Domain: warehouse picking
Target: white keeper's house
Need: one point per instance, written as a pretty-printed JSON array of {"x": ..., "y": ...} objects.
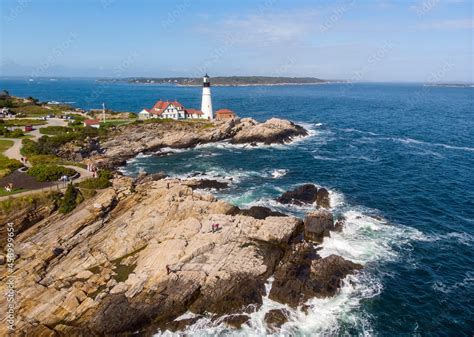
[{"x": 172, "y": 110}]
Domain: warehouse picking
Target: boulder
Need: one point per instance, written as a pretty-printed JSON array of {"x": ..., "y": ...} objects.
[
  {"x": 322, "y": 199},
  {"x": 259, "y": 212},
  {"x": 327, "y": 274},
  {"x": 302, "y": 275},
  {"x": 273, "y": 130},
  {"x": 275, "y": 318},
  {"x": 292, "y": 275},
  {"x": 206, "y": 184},
  {"x": 236, "y": 321},
  {"x": 340, "y": 223},
  {"x": 304, "y": 194},
  {"x": 317, "y": 224},
  {"x": 158, "y": 176}
]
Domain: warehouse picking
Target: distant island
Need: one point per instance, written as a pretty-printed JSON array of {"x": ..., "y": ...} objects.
[
  {"x": 224, "y": 80},
  {"x": 452, "y": 85}
]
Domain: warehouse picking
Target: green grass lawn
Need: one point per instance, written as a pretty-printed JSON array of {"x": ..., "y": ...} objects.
[
  {"x": 5, "y": 145},
  {"x": 32, "y": 110},
  {"x": 22, "y": 122},
  {"x": 4, "y": 193},
  {"x": 7, "y": 165},
  {"x": 116, "y": 122},
  {"x": 54, "y": 130}
]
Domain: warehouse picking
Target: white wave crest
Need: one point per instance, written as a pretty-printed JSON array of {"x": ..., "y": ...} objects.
[{"x": 278, "y": 173}]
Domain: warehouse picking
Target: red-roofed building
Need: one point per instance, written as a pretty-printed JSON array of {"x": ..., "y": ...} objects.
[
  {"x": 144, "y": 114},
  {"x": 225, "y": 115},
  {"x": 194, "y": 113},
  {"x": 172, "y": 110},
  {"x": 93, "y": 123}
]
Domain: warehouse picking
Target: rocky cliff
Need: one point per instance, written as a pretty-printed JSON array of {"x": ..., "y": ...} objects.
[
  {"x": 138, "y": 255},
  {"x": 129, "y": 140}
]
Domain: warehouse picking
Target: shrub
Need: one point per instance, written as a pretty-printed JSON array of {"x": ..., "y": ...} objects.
[
  {"x": 88, "y": 193},
  {"x": 29, "y": 147},
  {"x": 102, "y": 181},
  {"x": 10, "y": 206},
  {"x": 54, "y": 130},
  {"x": 23, "y": 122},
  {"x": 16, "y": 133},
  {"x": 8, "y": 165},
  {"x": 45, "y": 172},
  {"x": 69, "y": 201},
  {"x": 40, "y": 159},
  {"x": 106, "y": 174}
]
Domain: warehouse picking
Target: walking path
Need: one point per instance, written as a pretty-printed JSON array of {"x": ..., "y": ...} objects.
[{"x": 14, "y": 152}]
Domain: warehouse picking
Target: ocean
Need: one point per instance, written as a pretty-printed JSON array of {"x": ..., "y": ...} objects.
[{"x": 398, "y": 160}]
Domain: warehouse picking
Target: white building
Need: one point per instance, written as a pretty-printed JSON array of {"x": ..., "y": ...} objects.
[
  {"x": 144, "y": 114},
  {"x": 93, "y": 123},
  {"x": 171, "y": 110}
]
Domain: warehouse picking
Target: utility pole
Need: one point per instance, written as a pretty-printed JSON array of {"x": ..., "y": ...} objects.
[{"x": 103, "y": 112}]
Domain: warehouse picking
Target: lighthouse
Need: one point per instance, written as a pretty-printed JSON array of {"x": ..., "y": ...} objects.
[{"x": 206, "y": 105}]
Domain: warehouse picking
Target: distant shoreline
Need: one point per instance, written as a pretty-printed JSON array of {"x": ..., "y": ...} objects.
[{"x": 224, "y": 81}]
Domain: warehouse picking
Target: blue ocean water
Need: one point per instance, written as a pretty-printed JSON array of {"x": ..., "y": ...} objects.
[{"x": 398, "y": 160}]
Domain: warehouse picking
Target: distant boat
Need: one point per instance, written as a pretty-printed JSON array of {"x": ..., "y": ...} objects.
[{"x": 31, "y": 80}]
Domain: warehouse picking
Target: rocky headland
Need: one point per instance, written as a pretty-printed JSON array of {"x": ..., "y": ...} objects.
[
  {"x": 139, "y": 254},
  {"x": 127, "y": 141}
]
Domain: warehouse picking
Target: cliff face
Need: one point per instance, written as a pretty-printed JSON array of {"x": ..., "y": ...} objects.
[
  {"x": 129, "y": 140},
  {"x": 136, "y": 257}
]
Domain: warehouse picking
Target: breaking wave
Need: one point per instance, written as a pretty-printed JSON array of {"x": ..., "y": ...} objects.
[{"x": 366, "y": 238}]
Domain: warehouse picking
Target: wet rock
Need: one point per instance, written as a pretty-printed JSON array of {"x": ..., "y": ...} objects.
[
  {"x": 275, "y": 318},
  {"x": 327, "y": 274},
  {"x": 292, "y": 275},
  {"x": 236, "y": 321},
  {"x": 340, "y": 223},
  {"x": 317, "y": 224},
  {"x": 260, "y": 212},
  {"x": 302, "y": 275},
  {"x": 163, "y": 153},
  {"x": 179, "y": 325},
  {"x": 206, "y": 184},
  {"x": 230, "y": 296},
  {"x": 322, "y": 199},
  {"x": 158, "y": 176},
  {"x": 305, "y": 194}
]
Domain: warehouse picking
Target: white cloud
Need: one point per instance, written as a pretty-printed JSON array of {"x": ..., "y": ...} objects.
[{"x": 265, "y": 28}]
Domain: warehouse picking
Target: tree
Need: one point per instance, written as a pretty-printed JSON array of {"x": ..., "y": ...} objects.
[{"x": 68, "y": 203}]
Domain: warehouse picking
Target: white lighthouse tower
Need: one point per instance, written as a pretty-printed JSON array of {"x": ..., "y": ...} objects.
[{"x": 206, "y": 105}]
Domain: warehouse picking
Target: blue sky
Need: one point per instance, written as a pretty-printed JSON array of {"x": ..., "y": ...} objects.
[{"x": 421, "y": 40}]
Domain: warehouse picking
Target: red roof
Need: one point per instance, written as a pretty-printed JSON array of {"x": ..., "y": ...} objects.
[
  {"x": 177, "y": 104},
  {"x": 224, "y": 111},
  {"x": 194, "y": 112},
  {"x": 162, "y": 105},
  {"x": 91, "y": 122}
]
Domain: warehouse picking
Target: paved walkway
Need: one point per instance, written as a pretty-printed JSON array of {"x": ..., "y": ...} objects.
[{"x": 14, "y": 152}]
